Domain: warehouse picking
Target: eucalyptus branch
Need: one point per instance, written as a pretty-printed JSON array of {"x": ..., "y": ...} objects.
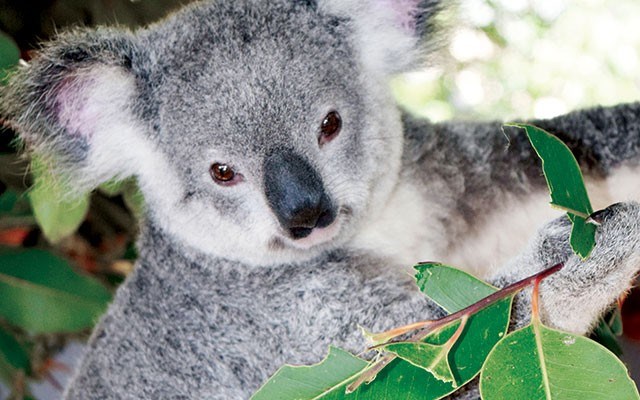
[{"x": 423, "y": 329}]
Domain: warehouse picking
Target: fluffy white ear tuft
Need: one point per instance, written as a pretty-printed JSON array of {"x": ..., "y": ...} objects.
[
  {"x": 95, "y": 106},
  {"x": 74, "y": 106},
  {"x": 391, "y": 35}
]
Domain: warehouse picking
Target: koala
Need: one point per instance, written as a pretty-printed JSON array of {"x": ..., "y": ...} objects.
[{"x": 287, "y": 192}]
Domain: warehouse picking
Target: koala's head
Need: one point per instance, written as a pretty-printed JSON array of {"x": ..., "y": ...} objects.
[{"x": 261, "y": 131}]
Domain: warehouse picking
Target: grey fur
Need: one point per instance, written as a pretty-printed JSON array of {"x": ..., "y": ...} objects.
[{"x": 220, "y": 296}]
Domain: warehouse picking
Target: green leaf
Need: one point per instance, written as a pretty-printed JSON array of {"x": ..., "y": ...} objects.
[
  {"x": 9, "y": 55},
  {"x": 454, "y": 290},
  {"x": 14, "y": 205},
  {"x": 583, "y": 236},
  {"x": 113, "y": 187},
  {"x": 401, "y": 379},
  {"x": 432, "y": 358},
  {"x": 131, "y": 194},
  {"x": 57, "y": 214},
  {"x": 561, "y": 171},
  {"x": 566, "y": 185},
  {"x": 327, "y": 379},
  {"x": 451, "y": 288},
  {"x": 603, "y": 334},
  {"x": 608, "y": 329},
  {"x": 615, "y": 321},
  {"x": 7, "y": 373},
  {"x": 41, "y": 293},
  {"x": 14, "y": 362},
  {"x": 13, "y": 353},
  {"x": 8, "y": 200},
  {"x": 537, "y": 362}
]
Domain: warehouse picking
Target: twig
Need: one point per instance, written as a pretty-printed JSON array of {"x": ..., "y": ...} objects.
[{"x": 427, "y": 327}]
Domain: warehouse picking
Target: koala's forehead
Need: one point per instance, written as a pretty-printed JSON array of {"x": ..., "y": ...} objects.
[{"x": 236, "y": 67}]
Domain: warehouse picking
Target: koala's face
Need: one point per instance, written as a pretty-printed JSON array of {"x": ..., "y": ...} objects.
[
  {"x": 260, "y": 131},
  {"x": 274, "y": 140}
]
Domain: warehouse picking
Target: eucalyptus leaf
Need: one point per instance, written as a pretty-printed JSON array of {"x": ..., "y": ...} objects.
[
  {"x": 449, "y": 287},
  {"x": 615, "y": 321},
  {"x": 561, "y": 171},
  {"x": 402, "y": 379},
  {"x": 113, "y": 187},
  {"x": 13, "y": 353},
  {"x": 583, "y": 236},
  {"x": 134, "y": 200},
  {"x": 57, "y": 214},
  {"x": 7, "y": 372},
  {"x": 8, "y": 200},
  {"x": 130, "y": 192},
  {"x": 326, "y": 380},
  {"x": 566, "y": 185},
  {"x": 604, "y": 335},
  {"x": 41, "y": 293},
  {"x": 432, "y": 358},
  {"x": 537, "y": 362},
  {"x": 9, "y": 55},
  {"x": 454, "y": 290},
  {"x": 607, "y": 330}
]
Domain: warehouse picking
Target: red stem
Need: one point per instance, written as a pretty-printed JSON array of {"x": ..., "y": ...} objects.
[
  {"x": 492, "y": 298},
  {"x": 369, "y": 374},
  {"x": 535, "y": 297}
]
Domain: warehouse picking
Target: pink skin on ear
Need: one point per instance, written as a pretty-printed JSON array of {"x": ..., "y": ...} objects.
[
  {"x": 74, "y": 109},
  {"x": 405, "y": 12}
]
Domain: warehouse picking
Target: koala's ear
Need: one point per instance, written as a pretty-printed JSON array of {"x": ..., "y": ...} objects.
[
  {"x": 392, "y": 36},
  {"x": 74, "y": 105}
]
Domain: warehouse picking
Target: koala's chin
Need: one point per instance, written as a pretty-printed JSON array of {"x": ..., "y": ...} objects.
[
  {"x": 256, "y": 242},
  {"x": 284, "y": 247}
]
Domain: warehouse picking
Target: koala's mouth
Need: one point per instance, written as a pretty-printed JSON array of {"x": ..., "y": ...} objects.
[{"x": 317, "y": 236}]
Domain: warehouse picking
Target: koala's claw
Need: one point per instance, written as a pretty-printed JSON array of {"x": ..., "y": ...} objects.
[{"x": 598, "y": 217}]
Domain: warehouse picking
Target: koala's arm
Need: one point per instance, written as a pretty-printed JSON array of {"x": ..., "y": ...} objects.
[
  {"x": 573, "y": 298},
  {"x": 488, "y": 160},
  {"x": 497, "y": 163}
]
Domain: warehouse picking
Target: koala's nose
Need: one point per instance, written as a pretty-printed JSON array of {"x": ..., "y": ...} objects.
[{"x": 296, "y": 194}]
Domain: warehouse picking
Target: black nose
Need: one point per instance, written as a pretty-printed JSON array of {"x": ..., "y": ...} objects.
[{"x": 296, "y": 194}]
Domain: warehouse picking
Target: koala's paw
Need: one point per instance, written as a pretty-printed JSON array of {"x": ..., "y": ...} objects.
[{"x": 573, "y": 298}]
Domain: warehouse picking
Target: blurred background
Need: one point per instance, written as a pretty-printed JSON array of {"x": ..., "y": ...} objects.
[
  {"x": 498, "y": 59},
  {"x": 530, "y": 58}
]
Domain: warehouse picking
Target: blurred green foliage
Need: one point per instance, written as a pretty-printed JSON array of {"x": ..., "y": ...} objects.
[
  {"x": 9, "y": 55},
  {"x": 41, "y": 293},
  {"x": 529, "y": 58}
]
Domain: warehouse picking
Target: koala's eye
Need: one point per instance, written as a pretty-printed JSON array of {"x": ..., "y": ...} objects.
[
  {"x": 223, "y": 174},
  {"x": 330, "y": 127}
]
